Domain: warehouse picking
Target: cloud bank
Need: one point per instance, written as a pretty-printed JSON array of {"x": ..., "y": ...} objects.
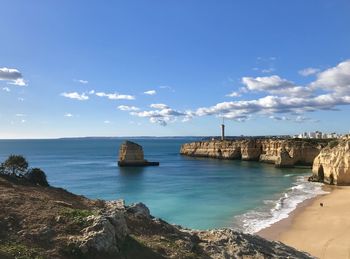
[{"x": 282, "y": 97}]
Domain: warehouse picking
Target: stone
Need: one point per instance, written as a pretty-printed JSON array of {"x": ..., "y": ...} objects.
[
  {"x": 131, "y": 154},
  {"x": 332, "y": 165},
  {"x": 139, "y": 210}
]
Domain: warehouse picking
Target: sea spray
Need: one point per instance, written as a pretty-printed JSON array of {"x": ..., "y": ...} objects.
[{"x": 275, "y": 210}]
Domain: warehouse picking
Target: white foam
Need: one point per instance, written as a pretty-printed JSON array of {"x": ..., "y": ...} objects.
[{"x": 274, "y": 211}]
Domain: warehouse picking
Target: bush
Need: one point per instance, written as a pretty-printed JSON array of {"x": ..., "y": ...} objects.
[
  {"x": 333, "y": 143},
  {"x": 37, "y": 176},
  {"x": 14, "y": 165}
]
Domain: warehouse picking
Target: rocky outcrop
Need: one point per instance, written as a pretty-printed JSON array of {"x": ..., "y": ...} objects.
[
  {"x": 332, "y": 165},
  {"x": 34, "y": 225},
  {"x": 106, "y": 231},
  {"x": 281, "y": 152},
  {"x": 131, "y": 154}
]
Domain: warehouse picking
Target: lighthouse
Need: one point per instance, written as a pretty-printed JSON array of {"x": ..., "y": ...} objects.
[{"x": 223, "y": 129}]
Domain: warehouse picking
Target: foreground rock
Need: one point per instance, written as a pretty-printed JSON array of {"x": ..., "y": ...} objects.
[
  {"x": 131, "y": 154},
  {"x": 332, "y": 165},
  {"x": 46, "y": 222},
  {"x": 281, "y": 152}
]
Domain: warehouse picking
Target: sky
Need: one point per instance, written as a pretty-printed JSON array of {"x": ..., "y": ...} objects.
[{"x": 173, "y": 68}]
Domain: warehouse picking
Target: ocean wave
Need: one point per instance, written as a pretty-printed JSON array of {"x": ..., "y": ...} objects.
[{"x": 276, "y": 210}]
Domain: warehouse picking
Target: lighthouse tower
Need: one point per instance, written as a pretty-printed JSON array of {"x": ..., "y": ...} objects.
[{"x": 223, "y": 129}]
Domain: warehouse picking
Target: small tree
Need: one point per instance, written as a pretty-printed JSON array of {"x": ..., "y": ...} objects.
[
  {"x": 14, "y": 165},
  {"x": 37, "y": 176}
]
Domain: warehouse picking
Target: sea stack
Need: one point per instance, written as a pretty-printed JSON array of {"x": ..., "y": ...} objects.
[{"x": 131, "y": 154}]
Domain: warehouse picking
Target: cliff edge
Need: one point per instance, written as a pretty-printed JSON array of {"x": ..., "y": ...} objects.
[{"x": 47, "y": 222}]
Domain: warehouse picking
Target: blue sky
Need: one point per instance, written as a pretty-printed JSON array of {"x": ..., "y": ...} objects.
[{"x": 168, "y": 68}]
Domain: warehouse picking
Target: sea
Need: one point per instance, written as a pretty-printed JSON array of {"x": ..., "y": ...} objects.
[{"x": 197, "y": 193}]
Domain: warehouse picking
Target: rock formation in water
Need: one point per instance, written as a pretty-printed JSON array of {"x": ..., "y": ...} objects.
[
  {"x": 131, "y": 154},
  {"x": 47, "y": 222},
  {"x": 281, "y": 152},
  {"x": 332, "y": 165}
]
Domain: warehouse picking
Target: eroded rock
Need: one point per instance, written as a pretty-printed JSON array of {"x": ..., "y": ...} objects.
[
  {"x": 332, "y": 165},
  {"x": 281, "y": 152},
  {"x": 131, "y": 154}
]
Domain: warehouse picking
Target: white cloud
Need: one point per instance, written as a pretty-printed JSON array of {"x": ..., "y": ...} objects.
[
  {"x": 150, "y": 92},
  {"x": 6, "y": 89},
  {"x": 275, "y": 85},
  {"x": 309, "y": 71},
  {"x": 83, "y": 81},
  {"x": 167, "y": 87},
  {"x": 23, "y": 121},
  {"x": 20, "y": 115},
  {"x": 107, "y": 122},
  {"x": 335, "y": 79},
  {"x": 19, "y": 82},
  {"x": 76, "y": 96},
  {"x": 159, "y": 106},
  {"x": 278, "y": 118},
  {"x": 162, "y": 115},
  {"x": 69, "y": 115},
  {"x": 12, "y": 76},
  {"x": 234, "y": 94},
  {"x": 302, "y": 119},
  {"x": 91, "y": 92},
  {"x": 268, "y": 70},
  {"x": 127, "y": 108},
  {"x": 116, "y": 96},
  {"x": 266, "y": 83}
]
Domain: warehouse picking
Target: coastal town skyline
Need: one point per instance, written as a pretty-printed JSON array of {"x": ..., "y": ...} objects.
[{"x": 141, "y": 68}]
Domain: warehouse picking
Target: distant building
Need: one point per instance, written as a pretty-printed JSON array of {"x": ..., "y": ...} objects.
[{"x": 318, "y": 135}]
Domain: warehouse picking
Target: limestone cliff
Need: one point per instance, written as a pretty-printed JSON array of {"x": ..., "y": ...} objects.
[
  {"x": 131, "y": 154},
  {"x": 332, "y": 165},
  {"x": 281, "y": 152}
]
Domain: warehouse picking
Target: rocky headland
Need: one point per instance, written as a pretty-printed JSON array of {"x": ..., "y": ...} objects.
[
  {"x": 281, "y": 152},
  {"x": 48, "y": 222},
  {"x": 332, "y": 165}
]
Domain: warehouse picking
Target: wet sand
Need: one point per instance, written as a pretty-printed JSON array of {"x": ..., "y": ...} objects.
[{"x": 323, "y": 232}]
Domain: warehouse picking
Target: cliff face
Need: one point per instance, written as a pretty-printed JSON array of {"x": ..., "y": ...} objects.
[
  {"x": 46, "y": 222},
  {"x": 131, "y": 152},
  {"x": 332, "y": 165},
  {"x": 282, "y": 153}
]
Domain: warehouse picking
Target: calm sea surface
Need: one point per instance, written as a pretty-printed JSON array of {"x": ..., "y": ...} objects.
[{"x": 193, "y": 192}]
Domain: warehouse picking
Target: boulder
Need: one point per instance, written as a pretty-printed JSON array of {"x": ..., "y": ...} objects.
[
  {"x": 139, "y": 210},
  {"x": 106, "y": 231}
]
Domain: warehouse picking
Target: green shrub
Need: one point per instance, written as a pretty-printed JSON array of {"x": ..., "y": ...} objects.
[
  {"x": 14, "y": 165},
  {"x": 36, "y": 176}
]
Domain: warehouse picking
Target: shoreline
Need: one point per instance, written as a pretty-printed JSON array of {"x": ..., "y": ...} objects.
[{"x": 321, "y": 231}]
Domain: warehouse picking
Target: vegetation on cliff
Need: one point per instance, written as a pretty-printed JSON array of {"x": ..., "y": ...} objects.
[
  {"x": 17, "y": 167},
  {"x": 46, "y": 222}
]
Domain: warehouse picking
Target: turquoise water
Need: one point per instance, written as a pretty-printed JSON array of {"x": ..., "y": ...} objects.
[{"x": 192, "y": 192}]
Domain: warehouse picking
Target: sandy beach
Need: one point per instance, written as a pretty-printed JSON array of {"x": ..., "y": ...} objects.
[{"x": 323, "y": 232}]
